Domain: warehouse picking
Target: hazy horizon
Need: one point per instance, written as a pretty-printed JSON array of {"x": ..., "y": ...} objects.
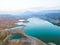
[{"x": 19, "y": 5}]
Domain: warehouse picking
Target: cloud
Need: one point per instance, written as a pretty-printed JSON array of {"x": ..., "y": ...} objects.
[{"x": 16, "y": 5}]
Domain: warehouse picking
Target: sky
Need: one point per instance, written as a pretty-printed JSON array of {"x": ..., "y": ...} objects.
[{"x": 18, "y": 5}]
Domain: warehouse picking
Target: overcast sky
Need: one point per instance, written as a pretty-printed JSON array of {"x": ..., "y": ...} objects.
[{"x": 17, "y": 5}]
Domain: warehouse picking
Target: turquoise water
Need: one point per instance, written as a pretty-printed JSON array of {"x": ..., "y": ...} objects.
[
  {"x": 43, "y": 30},
  {"x": 15, "y": 37}
]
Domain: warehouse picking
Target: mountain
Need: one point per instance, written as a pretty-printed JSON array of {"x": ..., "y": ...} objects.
[{"x": 52, "y": 16}]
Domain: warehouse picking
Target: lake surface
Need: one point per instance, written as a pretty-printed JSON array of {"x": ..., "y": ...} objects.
[{"x": 43, "y": 30}]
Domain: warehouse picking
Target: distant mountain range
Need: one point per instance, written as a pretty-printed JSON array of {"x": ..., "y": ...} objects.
[{"x": 52, "y": 16}]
